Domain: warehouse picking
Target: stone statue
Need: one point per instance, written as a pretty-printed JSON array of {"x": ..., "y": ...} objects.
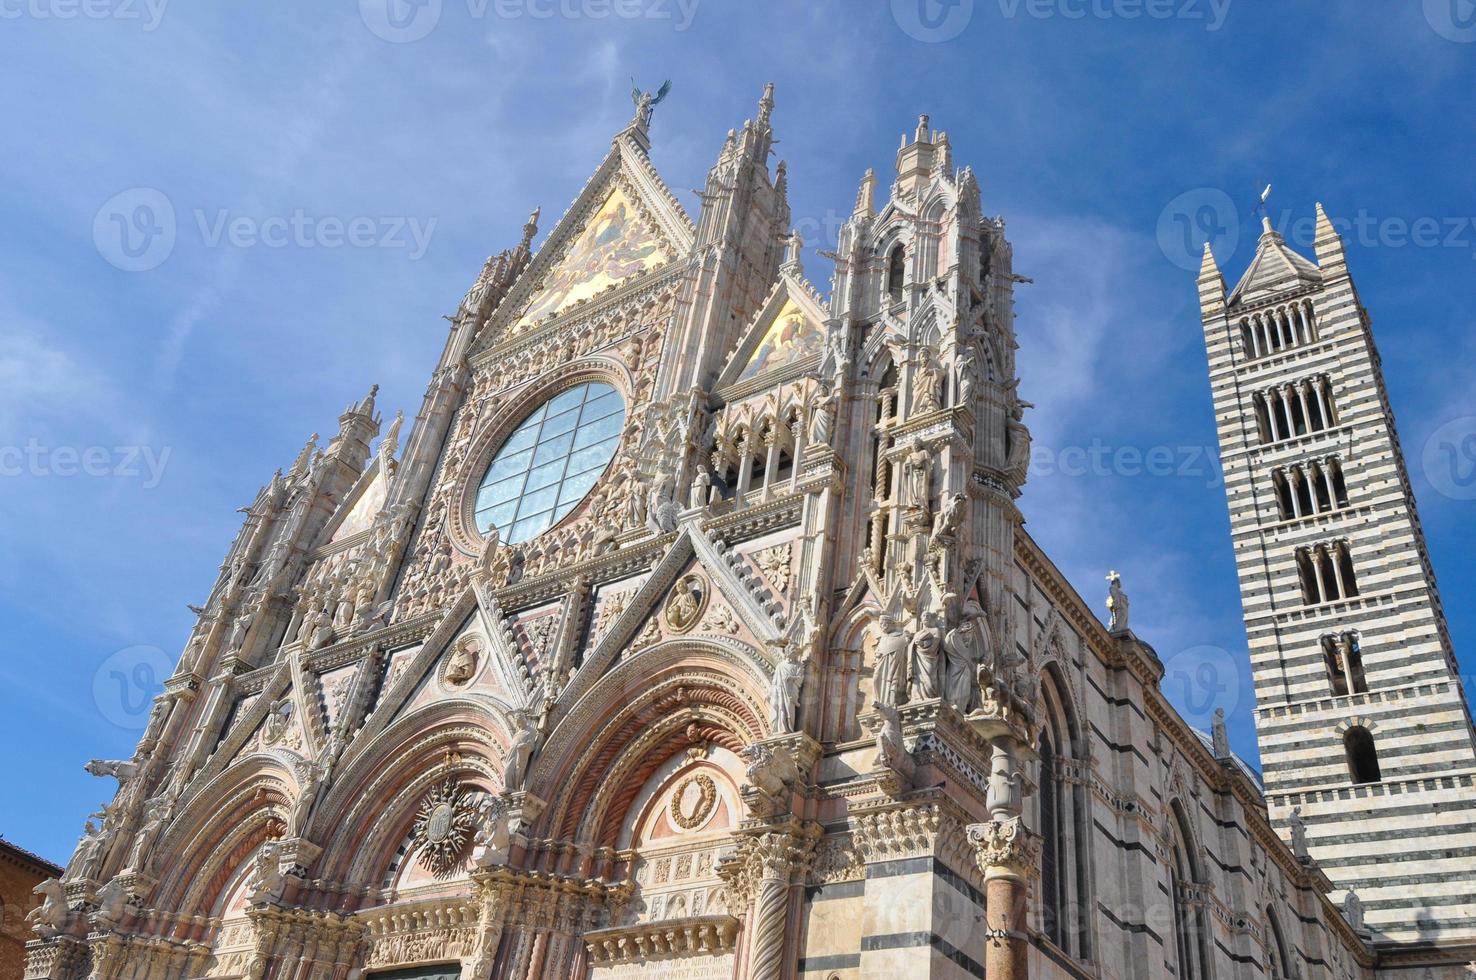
[
  {"x": 823, "y": 419},
  {"x": 929, "y": 384},
  {"x": 302, "y": 809},
  {"x": 278, "y": 718},
  {"x": 143, "y": 844},
  {"x": 890, "y": 749},
  {"x": 784, "y": 690},
  {"x": 112, "y": 902},
  {"x": 701, "y": 488},
  {"x": 1117, "y": 603},
  {"x": 121, "y": 770},
  {"x": 965, "y": 647},
  {"x": 487, "y": 561},
  {"x": 967, "y": 365},
  {"x": 1353, "y": 911},
  {"x": 916, "y": 473},
  {"x": 924, "y": 652},
  {"x": 1298, "y": 834},
  {"x": 91, "y": 850},
  {"x": 889, "y": 678},
  {"x": 461, "y": 667},
  {"x": 519, "y": 752},
  {"x": 950, "y": 517},
  {"x": 493, "y": 835},
  {"x": 267, "y": 879},
  {"x": 638, "y": 502},
  {"x": 661, "y": 511},
  {"x": 50, "y": 917},
  {"x": 644, "y": 101},
  {"x": 1219, "y": 737}
]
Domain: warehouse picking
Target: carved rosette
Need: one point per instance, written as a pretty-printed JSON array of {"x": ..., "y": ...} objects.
[{"x": 1005, "y": 848}]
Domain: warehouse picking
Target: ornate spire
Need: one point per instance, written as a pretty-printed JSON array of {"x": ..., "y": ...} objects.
[
  {"x": 766, "y": 105},
  {"x": 866, "y": 194},
  {"x": 365, "y": 407},
  {"x": 531, "y": 228},
  {"x": 305, "y": 457}
]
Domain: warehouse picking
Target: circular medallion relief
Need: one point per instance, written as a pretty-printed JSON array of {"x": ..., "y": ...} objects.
[
  {"x": 443, "y": 827},
  {"x": 693, "y": 801},
  {"x": 685, "y": 605}
]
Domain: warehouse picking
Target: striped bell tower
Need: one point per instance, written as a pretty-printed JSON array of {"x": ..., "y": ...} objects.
[{"x": 1366, "y": 740}]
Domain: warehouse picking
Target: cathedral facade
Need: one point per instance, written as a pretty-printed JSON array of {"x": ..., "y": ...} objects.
[{"x": 694, "y": 632}]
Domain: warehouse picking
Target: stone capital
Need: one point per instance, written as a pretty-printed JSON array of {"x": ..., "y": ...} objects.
[{"x": 1005, "y": 849}]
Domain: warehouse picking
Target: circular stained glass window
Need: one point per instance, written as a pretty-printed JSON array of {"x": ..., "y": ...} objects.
[{"x": 550, "y": 462}]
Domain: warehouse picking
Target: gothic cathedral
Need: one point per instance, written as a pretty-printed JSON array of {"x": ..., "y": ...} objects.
[{"x": 694, "y": 632}]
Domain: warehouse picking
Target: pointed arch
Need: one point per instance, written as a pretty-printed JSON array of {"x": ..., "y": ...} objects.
[
  {"x": 1186, "y": 873},
  {"x": 667, "y": 698},
  {"x": 374, "y": 798},
  {"x": 1062, "y": 808}
]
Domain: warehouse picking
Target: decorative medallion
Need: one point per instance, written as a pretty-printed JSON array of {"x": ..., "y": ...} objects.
[
  {"x": 693, "y": 800},
  {"x": 686, "y": 604},
  {"x": 462, "y": 665},
  {"x": 444, "y": 825}
]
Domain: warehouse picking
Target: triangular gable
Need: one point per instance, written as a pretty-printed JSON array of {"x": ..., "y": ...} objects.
[
  {"x": 1275, "y": 269},
  {"x": 616, "y": 242},
  {"x": 624, "y": 224},
  {"x": 787, "y": 335},
  {"x": 361, "y": 505}
]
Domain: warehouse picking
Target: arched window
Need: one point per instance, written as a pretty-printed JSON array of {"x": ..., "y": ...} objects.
[
  {"x": 1189, "y": 920},
  {"x": 896, "y": 272},
  {"x": 1061, "y": 821},
  {"x": 1363, "y": 758},
  {"x": 1278, "y": 957}
]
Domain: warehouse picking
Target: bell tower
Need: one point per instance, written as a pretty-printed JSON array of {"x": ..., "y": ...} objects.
[{"x": 1365, "y": 735}]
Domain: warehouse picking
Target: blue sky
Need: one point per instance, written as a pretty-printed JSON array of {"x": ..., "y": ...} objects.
[{"x": 336, "y": 181}]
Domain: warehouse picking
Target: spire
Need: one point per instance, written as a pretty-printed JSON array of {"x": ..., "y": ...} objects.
[
  {"x": 793, "y": 251},
  {"x": 1211, "y": 283},
  {"x": 1328, "y": 246},
  {"x": 766, "y": 105},
  {"x": 915, "y": 160},
  {"x": 365, "y": 407},
  {"x": 866, "y": 195},
  {"x": 305, "y": 457},
  {"x": 531, "y": 228}
]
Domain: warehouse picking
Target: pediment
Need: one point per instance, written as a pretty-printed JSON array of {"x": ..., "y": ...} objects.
[
  {"x": 785, "y": 338},
  {"x": 624, "y": 225}
]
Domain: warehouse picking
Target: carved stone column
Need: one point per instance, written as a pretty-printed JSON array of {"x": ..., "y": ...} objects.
[
  {"x": 761, "y": 878},
  {"x": 492, "y": 896},
  {"x": 1009, "y": 855}
]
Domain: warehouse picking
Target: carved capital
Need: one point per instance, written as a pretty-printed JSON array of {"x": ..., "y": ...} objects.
[{"x": 1005, "y": 848}]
